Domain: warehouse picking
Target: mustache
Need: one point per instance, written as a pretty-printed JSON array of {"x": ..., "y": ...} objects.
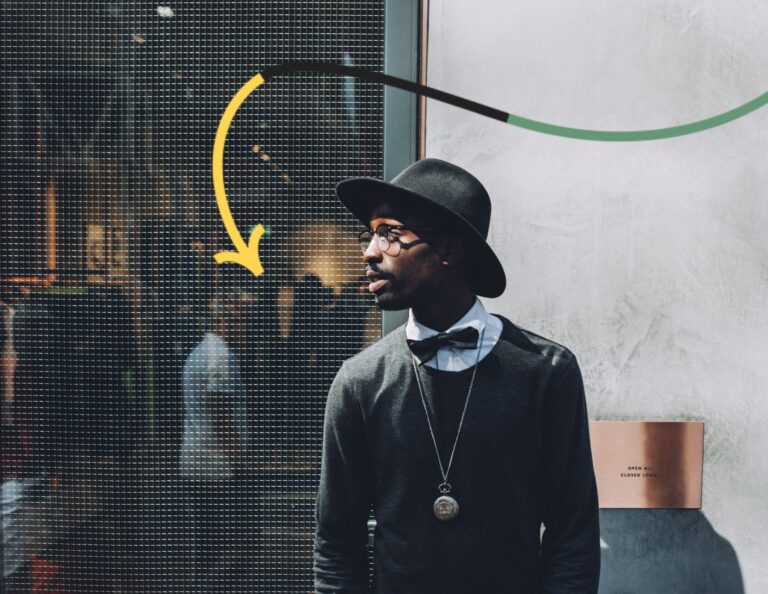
[{"x": 375, "y": 270}]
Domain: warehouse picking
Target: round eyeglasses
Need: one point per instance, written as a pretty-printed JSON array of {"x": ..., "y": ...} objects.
[{"x": 388, "y": 238}]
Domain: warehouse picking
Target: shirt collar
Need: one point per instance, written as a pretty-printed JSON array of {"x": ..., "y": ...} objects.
[{"x": 476, "y": 316}]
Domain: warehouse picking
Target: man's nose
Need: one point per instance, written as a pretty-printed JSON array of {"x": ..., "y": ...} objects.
[{"x": 373, "y": 250}]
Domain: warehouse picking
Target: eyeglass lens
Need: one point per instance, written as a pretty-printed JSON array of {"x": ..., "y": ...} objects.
[{"x": 381, "y": 235}]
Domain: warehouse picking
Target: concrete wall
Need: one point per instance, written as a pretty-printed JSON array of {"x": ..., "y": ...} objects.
[{"x": 649, "y": 260}]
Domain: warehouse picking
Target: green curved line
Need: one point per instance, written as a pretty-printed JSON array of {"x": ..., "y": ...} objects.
[
  {"x": 518, "y": 121},
  {"x": 512, "y": 119},
  {"x": 634, "y": 135}
]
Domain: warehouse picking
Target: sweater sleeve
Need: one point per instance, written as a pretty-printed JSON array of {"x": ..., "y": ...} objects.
[
  {"x": 570, "y": 547},
  {"x": 344, "y": 495}
]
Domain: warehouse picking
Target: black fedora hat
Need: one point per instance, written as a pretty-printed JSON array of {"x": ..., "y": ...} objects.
[{"x": 447, "y": 190}]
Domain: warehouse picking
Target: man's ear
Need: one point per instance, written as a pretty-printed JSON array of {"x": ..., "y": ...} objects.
[{"x": 452, "y": 251}]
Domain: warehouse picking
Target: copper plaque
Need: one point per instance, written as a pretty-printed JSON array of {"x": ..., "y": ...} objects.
[{"x": 648, "y": 464}]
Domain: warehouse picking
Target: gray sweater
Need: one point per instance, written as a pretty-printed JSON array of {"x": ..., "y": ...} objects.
[{"x": 523, "y": 459}]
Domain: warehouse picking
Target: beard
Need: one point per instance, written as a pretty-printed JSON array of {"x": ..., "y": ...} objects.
[
  {"x": 392, "y": 298},
  {"x": 389, "y": 299},
  {"x": 386, "y": 303}
]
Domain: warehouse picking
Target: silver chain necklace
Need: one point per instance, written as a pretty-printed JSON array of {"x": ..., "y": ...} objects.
[{"x": 445, "y": 506}]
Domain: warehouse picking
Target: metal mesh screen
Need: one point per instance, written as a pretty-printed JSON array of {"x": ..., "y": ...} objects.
[{"x": 162, "y": 415}]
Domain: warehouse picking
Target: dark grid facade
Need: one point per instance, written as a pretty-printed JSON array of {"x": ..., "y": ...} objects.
[{"x": 107, "y": 235}]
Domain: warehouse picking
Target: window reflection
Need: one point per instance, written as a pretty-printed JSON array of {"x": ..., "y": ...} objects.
[
  {"x": 162, "y": 415},
  {"x": 84, "y": 456}
]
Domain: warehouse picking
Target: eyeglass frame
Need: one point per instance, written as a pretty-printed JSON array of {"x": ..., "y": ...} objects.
[{"x": 389, "y": 228}]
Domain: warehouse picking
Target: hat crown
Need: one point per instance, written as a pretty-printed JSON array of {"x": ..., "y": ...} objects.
[{"x": 451, "y": 187}]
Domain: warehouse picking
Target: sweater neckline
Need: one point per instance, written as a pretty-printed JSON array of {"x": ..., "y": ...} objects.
[{"x": 445, "y": 372}]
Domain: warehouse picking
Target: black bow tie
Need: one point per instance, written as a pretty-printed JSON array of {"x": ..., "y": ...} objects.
[{"x": 464, "y": 338}]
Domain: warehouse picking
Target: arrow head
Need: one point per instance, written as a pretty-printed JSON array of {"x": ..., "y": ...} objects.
[{"x": 248, "y": 256}]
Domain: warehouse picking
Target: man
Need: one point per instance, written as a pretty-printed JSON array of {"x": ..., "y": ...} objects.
[
  {"x": 17, "y": 490},
  {"x": 216, "y": 432},
  {"x": 464, "y": 444}
]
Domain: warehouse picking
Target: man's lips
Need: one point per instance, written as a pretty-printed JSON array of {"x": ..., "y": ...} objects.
[
  {"x": 376, "y": 282},
  {"x": 375, "y": 285}
]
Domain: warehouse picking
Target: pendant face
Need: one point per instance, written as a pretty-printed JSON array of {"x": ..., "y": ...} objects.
[{"x": 445, "y": 508}]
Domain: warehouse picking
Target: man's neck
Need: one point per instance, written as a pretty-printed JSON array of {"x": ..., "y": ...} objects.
[{"x": 442, "y": 315}]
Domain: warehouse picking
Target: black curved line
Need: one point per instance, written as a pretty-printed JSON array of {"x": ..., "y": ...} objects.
[{"x": 386, "y": 79}]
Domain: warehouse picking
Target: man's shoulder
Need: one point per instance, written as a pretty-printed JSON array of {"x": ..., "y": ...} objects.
[
  {"x": 379, "y": 357},
  {"x": 526, "y": 345},
  {"x": 210, "y": 355},
  {"x": 209, "y": 345}
]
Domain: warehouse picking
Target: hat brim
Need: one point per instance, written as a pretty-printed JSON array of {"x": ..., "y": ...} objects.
[{"x": 360, "y": 195}]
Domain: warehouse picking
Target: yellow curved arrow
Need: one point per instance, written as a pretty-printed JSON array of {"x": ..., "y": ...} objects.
[{"x": 246, "y": 255}]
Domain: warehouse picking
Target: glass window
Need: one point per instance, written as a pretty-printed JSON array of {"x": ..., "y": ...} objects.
[{"x": 162, "y": 414}]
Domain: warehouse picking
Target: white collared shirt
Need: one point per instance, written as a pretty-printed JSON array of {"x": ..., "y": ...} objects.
[{"x": 449, "y": 358}]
